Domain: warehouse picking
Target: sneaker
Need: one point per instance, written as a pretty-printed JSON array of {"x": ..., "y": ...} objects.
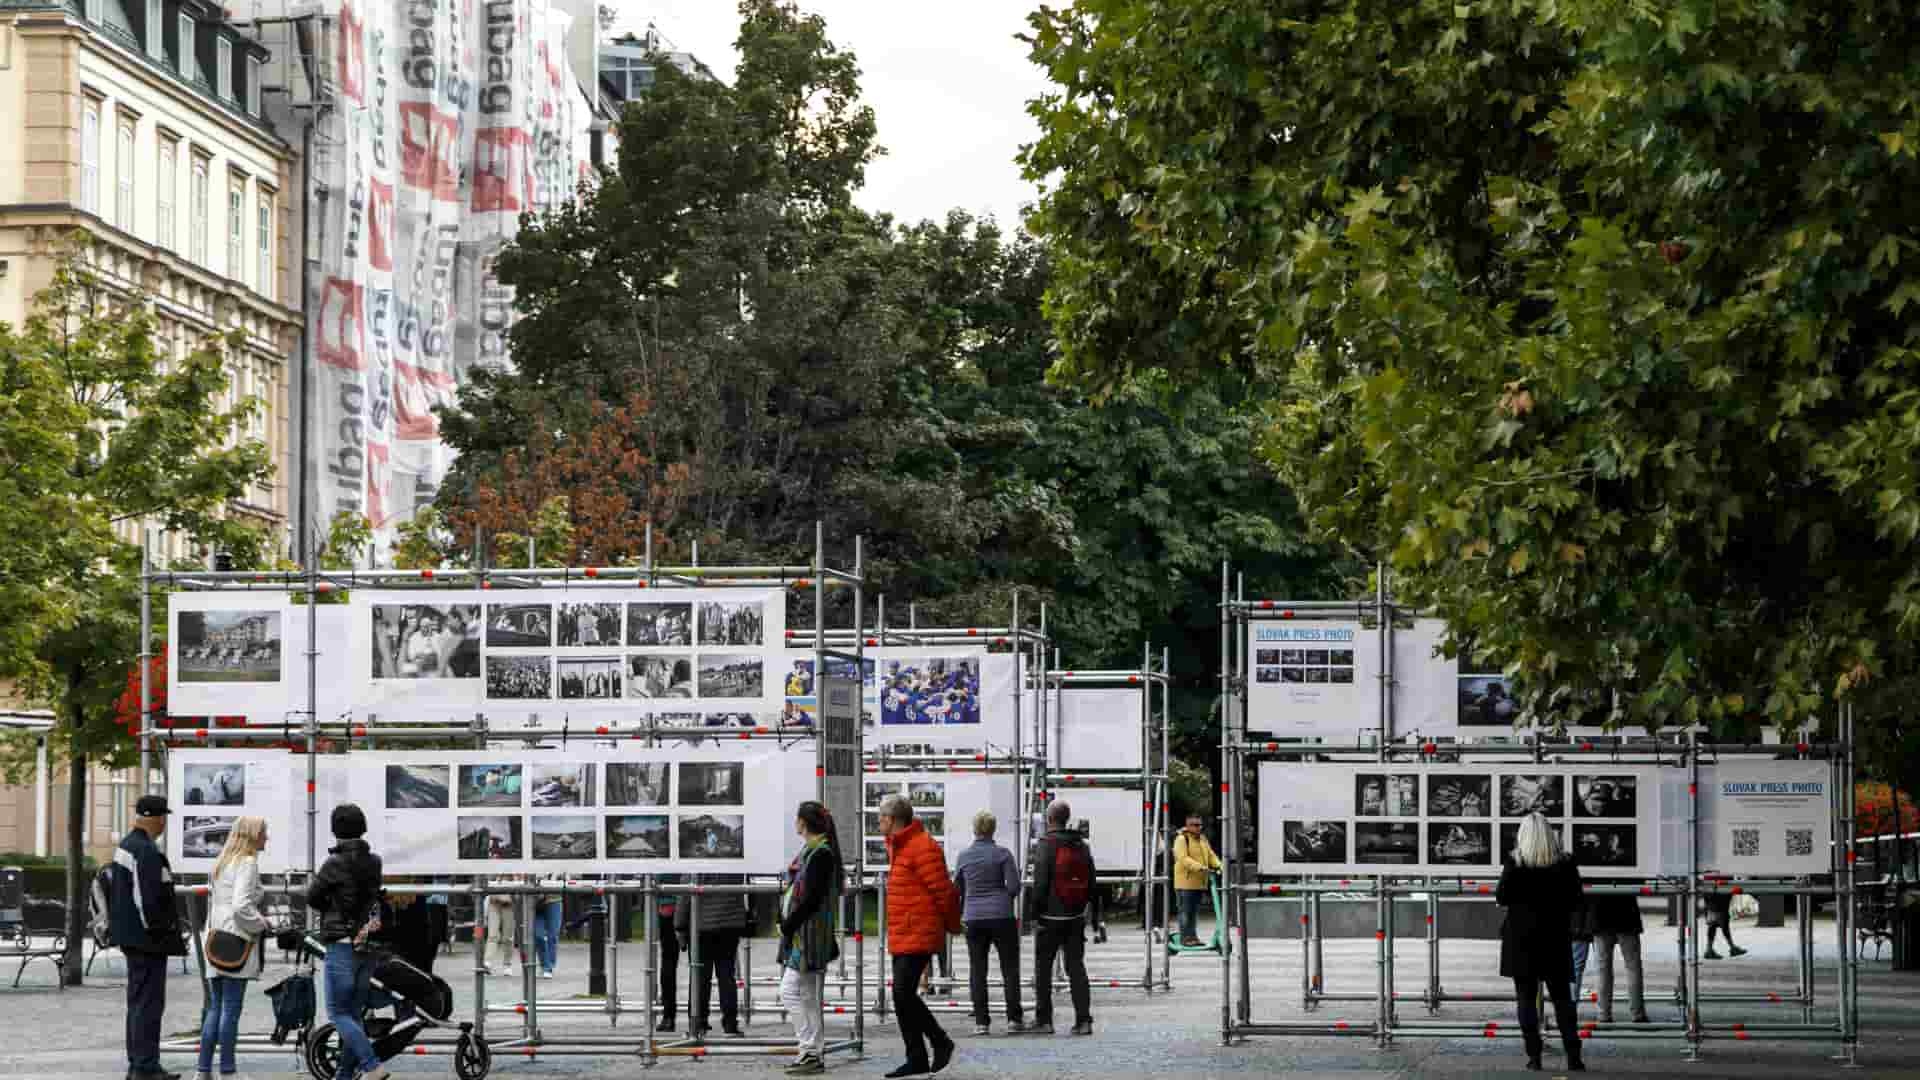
[
  {"x": 1736, "y": 950},
  {"x": 546, "y": 974},
  {"x": 941, "y": 1055},
  {"x": 1018, "y": 1027},
  {"x": 1043, "y": 1027},
  {"x": 909, "y": 1069},
  {"x": 808, "y": 1065},
  {"x": 982, "y": 1029},
  {"x": 732, "y": 1030},
  {"x": 1709, "y": 955},
  {"x": 1084, "y": 1027}
]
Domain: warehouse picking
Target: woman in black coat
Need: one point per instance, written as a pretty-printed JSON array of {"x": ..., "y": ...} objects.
[{"x": 1540, "y": 888}]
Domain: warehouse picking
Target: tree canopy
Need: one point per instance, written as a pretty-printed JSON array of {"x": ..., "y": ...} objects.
[{"x": 1589, "y": 318}]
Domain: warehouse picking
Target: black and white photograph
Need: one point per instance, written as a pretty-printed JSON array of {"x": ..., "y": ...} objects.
[
  {"x": 639, "y": 836},
  {"x": 1377, "y": 795},
  {"x": 490, "y": 785},
  {"x": 519, "y": 678},
  {"x": 1605, "y": 845},
  {"x": 591, "y": 679},
  {"x": 639, "y": 783},
  {"x": 1340, "y": 675},
  {"x": 426, "y": 641},
  {"x": 1293, "y": 657},
  {"x": 419, "y": 787},
  {"x": 872, "y": 823},
  {"x": 713, "y": 836},
  {"x": 732, "y": 622},
  {"x": 1535, "y": 794},
  {"x": 935, "y": 822},
  {"x": 877, "y": 791},
  {"x": 203, "y": 837},
  {"x": 876, "y": 853},
  {"x": 1460, "y": 843},
  {"x": 1487, "y": 702},
  {"x": 731, "y": 675},
  {"x": 1459, "y": 796},
  {"x": 587, "y": 626},
  {"x": 713, "y": 783},
  {"x": 1314, "y": 657},
  {"x": 659, "y": 625},
  {"x": 228, "y": 647},
  {"x": 1266, "y": 674},
  {"x": 660, "y": 677},
  {"x": 927, "y": 794},
  {"x": 1293, "y": 675},
  {"x": 1266, "y": 656},
  {"x": 519, "y": 626},
  {"x": 561, "y": 785},
  {"x": 1318, "y": 675},
  {"x": 1314, "y": 841},
  {"x": 564, "y": 837},
  {"x": 214, "y": 785},
  {"x": 1606, "y": 796},
  {"x": 490, "y": 838},
  {"x": 1340, "y": 657},
  {"x": 1394, "y": 843}
]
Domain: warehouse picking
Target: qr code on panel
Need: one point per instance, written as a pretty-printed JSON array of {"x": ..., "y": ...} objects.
[
  {"x": 1746, "y": 842},
  {"x": 1799, "y": 842}
]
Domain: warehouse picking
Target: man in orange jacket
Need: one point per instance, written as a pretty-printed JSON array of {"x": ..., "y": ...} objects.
[{"x": 922, "y": 909}]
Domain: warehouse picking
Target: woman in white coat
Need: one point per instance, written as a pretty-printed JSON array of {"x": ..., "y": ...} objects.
[{"x": 234, "y": 896}]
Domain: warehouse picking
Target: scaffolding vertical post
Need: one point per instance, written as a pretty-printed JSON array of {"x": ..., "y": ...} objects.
[
  {"x": 1850, "y": 953},
  {"x": 1433, "y": 952},
  {"x": 1690, "y": 932},
  {"x": 1163, "y": 853},
  {"x": 480, "y": 958},
  {"x": 1235, "y": 900},
  {"x": 313, "y": 714},
  {"x": 1229, "y": 851},
  {"x": 1382, "y": 969},
  {"x": 146, "y": 663},
  {"x": 649, "y": 933},
  {"x": 860, "y": 730}
]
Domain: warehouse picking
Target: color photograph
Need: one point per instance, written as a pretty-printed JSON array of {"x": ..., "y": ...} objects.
[
  {"x": 642, "y": 783},
  {"x": 596, "y": 679},
  {"x": 1459, "y": 796},
  {"x": 564, "y": 837},
  {"x": 927, "y": 794},
  {"x": 659, "y": 625},
  {"x": 519, "y": 626},
  {"x": 732, "y": 623},
  {"x": 426, "y": 641},
  {"x": 490, "y": 838},
  {"x": 561, "y": 785},
  {"x": 214, "y": 785},
  {"x": 419, "y": 787},
  {"x": 1461, "y": 843},
  {"x": 713, "y": 836},
  {"x": 228, "y": 647},
  {"x": 203, "y": 837},
  {"x": 1322, "y": 842},
  {"x": 942, "y": 690},
  {"x": 1393, "y": 843},
  {"x": 638, "y": 836},
  {"x": 712, "y": 783},
  {"x": 1486, "y": 703},
  {"x": 490, "y": 785},
  {"x": 519, "y": 678},
  {"x": 587, "y": 626},
  {"x": 1536, "y": 794},
  {"x": 731, "y": 675},
  {"x": 1606, "y": 796}
]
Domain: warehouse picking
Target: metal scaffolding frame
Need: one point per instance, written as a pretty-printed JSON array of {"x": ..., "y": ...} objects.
[{"x": 1684, "y": 751}]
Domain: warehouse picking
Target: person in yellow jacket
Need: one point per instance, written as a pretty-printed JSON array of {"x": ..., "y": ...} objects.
[{"x": 1193, "y": 862}]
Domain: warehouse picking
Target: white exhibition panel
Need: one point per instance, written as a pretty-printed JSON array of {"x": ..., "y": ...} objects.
[
  {"x": 944, "y": 802},
  {"x": 1115, "y": 818},
  {"x": 1311, "y": 678},
  {"x": 924, "y": 701},
  {"x": 1772, "y": 818},
  {"x": 227, "y": 653},
  {"x": 1098, "y": 729},
  {"x": 595, "y": 809},
  {"x": 1454, "y": 819}
]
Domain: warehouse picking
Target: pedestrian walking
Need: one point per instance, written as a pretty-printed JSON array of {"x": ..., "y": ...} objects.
[
  {"x": 499, "y": 929},
  {"x": 723, "y": 921},
  {"x": 145, "y": 927},
  {"x": 547, "y": 910},
  {"x": 1062, "y": 888},
  {"x": 809, "y": 943},
  {"x": 1720, "y": 920},
  {"x": 1617, "y": 922},
  {"x": 921, "y": 911},
  {"x": 988, "y": 881},
  {"x": 1540, "y": 888},
  {"x": 1194, "y": 865},
  {"x": 346, "y": 892},
  {"x": 234, "y": 896}
]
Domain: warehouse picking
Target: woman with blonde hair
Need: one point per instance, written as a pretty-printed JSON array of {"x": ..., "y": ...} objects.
[
  {"x": 1540, "y": 888},
  {"x": 234, "y": 895}
]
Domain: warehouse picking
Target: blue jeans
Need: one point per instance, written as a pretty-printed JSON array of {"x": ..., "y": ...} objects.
[
  {"x": 1580, "y": 968},
  {"x": 346, "y": 1000},
  {"x": 1190, "y": 901},
  {"x": 546, "y": 935},
  {"x": 221, "y": 1027}
]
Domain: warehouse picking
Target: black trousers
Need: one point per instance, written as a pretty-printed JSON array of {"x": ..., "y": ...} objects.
[
  {"x": 146, "y": 1004},
  {"x": 1527, "y": 990},
  {"x": 1066, "y": 939},
  {"x": 1002, "y": 935},
  {"x": 719, "y": 956},
  {"x": 918, "y": 1028},
  {"x": 669, "y": 967}
]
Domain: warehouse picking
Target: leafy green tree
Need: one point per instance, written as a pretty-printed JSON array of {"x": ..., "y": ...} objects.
[
  {"x": 1589, "y": 318},
  {"x": 99, "y": 441}
]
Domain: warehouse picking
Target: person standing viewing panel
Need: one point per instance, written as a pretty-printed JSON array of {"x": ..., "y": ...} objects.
[
  {"x": 809, "y": 939},
  {"x": 1062, "y": 888},
  {"x": 499, "y": 928},
  {"x": 988, "y": 880},
  {"x": 664, "y": 909},
  {"x": 145, "y": 927},
  {"x": 1616, "y": 921},
  {"x": 723, "y": 921},
  {"x": 1540, "y": 888},
  {"x": 547, "y": 911},
  {"x": 346, "y": 892},
  {"x": 234, "y": 896},
  {"x": 921, "y": 911},
  {"x": 1194, "y": 865}
]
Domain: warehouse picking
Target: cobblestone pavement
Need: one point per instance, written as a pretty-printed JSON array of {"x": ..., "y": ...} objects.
[{"x": 76, "y": 1035}]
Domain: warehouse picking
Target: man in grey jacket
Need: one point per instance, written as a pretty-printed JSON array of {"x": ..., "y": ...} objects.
[{"x": 988, "y": 880}]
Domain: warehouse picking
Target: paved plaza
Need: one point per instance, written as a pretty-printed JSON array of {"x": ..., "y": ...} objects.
[{"x": 76, "y": 1035}]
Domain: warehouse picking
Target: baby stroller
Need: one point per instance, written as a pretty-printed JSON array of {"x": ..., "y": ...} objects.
[{"x": 420, "y": 1001}]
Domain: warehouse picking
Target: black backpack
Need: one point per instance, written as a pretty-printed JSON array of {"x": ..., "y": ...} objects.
[{"x": 294, "y": 1005}]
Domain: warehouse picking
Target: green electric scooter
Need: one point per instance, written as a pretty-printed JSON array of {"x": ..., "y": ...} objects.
[{"x": 1211, "y": 945}]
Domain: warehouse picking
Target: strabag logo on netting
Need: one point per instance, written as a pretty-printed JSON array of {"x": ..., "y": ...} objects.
[{"x": 1302, "y": 633}]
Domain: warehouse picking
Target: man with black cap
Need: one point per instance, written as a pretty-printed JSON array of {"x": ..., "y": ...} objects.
[
  {"x": 146, "y": 930},
  {"x": 346, "y": 892}
]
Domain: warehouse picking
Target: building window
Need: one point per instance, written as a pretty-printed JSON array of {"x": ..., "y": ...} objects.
[
  {"x": 254, "y": 70},
  {"x": 236, "y": 229},
  {"x": 188, "y": 68},
  {"x": 198, "y": 225},
  {"x": 155, "y": 19},
  {"x": 123, "y": 167},
  {"x": 164, "y": 182},
  {"x": 90, "y": 159},
  {"x": 223, "y": 79},
  {"x": 263, "y": 233},
  {"x": 96, "y": 11}
]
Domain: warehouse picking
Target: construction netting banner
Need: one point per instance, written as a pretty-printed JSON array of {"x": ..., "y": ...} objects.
[{"x": 451, "y": 119}]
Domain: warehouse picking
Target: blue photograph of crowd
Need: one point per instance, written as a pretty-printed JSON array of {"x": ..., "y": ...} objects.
[{"x": 942, "y": 690}]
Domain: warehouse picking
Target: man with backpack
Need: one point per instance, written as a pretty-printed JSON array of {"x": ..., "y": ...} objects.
[
  {"x": 1194, "y": 863},
  {"x": 1062, "y": 887},
  {"x": 144, "y": 926}
]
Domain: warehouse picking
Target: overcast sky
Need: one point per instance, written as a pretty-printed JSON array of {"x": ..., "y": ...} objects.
[{"x": 947, "y": 82}]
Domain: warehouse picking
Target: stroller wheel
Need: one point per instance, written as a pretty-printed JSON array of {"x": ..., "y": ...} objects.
[
  {"x": 472, "y": 1059},
  {"x": 322, "y": 1052}
]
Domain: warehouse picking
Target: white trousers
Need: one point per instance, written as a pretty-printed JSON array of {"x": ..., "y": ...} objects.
[
  {"x": 802, "y": 992},
  {"x": 500, "y": 937}
]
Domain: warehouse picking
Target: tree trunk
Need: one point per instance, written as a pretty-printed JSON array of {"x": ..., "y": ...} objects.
[{"x": 77, "y": 883}]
